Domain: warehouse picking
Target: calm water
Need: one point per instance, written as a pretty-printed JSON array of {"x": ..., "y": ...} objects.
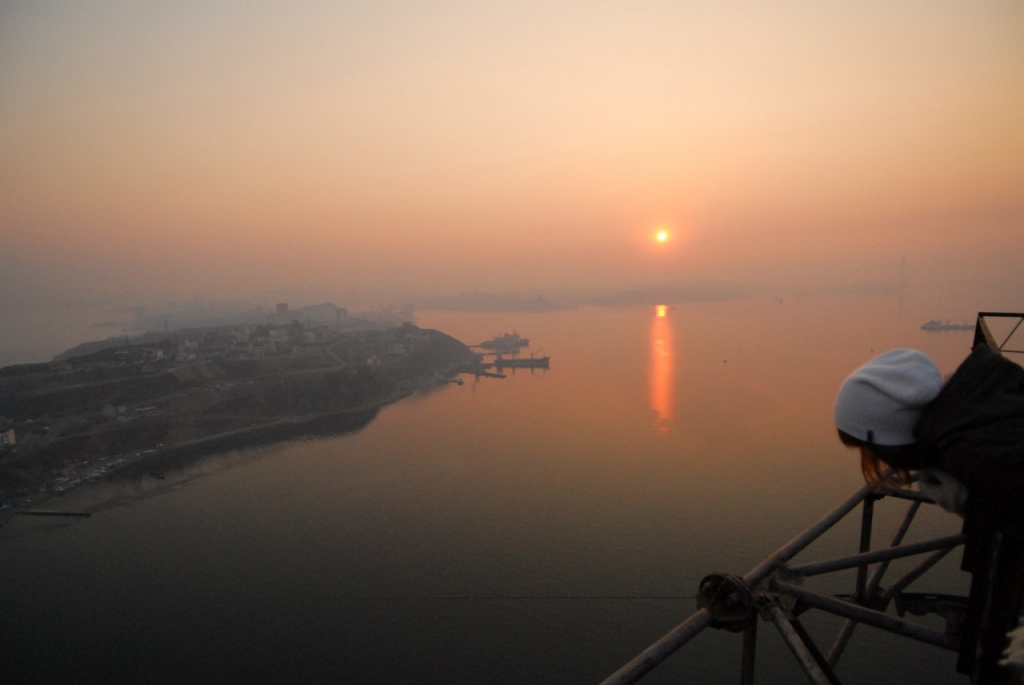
[{"x": 543, "y": 528}]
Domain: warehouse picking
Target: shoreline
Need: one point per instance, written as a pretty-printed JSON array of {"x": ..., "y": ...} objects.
[
  {"x": 202, "y": 447},
  {"x": 127, "y": 411}
]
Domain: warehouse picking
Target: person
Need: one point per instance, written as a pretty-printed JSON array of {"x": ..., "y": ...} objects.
[{"x": 964, "y": 438}]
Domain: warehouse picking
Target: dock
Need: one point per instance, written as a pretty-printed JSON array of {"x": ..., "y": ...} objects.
[
  {"x": 523, "y": 362},
  {"x": 488, "y": 374},
  {"x": 44, "y": 512}
]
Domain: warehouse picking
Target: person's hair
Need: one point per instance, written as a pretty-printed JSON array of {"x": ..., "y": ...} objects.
[{"x": 883, "y": 465}]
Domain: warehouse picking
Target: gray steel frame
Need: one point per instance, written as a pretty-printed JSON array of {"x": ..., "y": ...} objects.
[{"x": 768, "y": 582}]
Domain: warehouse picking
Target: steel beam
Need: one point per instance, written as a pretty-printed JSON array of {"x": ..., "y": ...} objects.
[
  {"x": 846, "y": 631},
  {"x": 856, "y": 560},
  {"x": 870, "y": 617},
  {"x": 803, "y": 655},
  {"x": 669, "y": 643}
]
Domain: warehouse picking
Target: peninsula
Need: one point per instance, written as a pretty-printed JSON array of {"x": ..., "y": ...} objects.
[{"x": 136, "y": 407}]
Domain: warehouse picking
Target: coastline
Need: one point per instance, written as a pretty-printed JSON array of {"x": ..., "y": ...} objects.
[
  {"x": 172, "y": 456},
  {"x": 132, "y": 411}
]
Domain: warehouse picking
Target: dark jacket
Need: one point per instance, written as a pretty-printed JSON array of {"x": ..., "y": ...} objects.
[{"x": 974, "y": 431}]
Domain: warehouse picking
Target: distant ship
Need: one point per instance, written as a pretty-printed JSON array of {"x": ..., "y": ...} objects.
[
  {"x": 936, "y": 325},
  {"x": 509, "y": 342}
]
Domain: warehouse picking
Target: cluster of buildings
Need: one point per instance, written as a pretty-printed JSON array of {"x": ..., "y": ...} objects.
[{"x": 285, "y": 331}]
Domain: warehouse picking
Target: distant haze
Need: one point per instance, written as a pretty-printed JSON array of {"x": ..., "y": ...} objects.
[{"x": 154, "y": 151}]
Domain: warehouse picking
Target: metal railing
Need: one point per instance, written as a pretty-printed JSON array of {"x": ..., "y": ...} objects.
[
  {"x": 974, "y": 625},
  {"x": 983, "y": 333},
  {"x": 771, "y": 591}
]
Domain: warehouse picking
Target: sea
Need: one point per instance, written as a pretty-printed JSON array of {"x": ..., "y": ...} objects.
[{"x": 539, "y": 528}]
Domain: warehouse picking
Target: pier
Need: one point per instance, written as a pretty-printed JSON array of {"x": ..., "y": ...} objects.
[
  {"x": 488, "y": 374},
  {"x": 522, "y": 362},
  {"x": 43, "y": 512}
]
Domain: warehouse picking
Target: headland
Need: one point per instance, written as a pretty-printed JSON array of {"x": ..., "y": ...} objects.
[{"x": 141, "y": 406}]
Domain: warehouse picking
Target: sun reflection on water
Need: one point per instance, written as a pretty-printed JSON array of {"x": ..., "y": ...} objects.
[{"x": 662, "y": 370}]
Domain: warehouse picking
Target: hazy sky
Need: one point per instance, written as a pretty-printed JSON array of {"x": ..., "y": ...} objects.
[{"x": 161, "y": 149}]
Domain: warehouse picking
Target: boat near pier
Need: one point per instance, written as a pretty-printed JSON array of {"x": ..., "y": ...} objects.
[
  {"x": 505, "y": 348},
  {"x": 507, "y": 342}
]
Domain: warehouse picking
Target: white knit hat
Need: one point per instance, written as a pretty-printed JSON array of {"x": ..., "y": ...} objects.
[{"x": 881, "y": 401}]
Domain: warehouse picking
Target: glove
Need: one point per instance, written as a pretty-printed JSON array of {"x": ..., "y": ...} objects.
[
  {"x": 1013, "y": 655},
  {"x": 947, "y": 491}
]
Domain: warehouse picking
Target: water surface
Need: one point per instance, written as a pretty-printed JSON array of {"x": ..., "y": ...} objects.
[{"x": 542, "y": 528}]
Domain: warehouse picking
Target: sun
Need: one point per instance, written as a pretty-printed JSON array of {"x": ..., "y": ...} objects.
[{"x": 661, "y": 236}]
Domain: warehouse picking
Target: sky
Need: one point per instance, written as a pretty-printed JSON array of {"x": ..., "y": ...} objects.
[{"x": 160, "y": 150}]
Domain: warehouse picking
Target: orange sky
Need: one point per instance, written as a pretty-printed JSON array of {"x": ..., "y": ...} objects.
[{"x": 226, "y": 149}]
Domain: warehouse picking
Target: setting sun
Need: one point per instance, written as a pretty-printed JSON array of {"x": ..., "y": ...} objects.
[{"x": 661, "y": 236}]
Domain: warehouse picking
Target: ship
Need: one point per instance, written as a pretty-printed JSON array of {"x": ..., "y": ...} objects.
[
  {"x": 507, "y": 342},
  {"x": 936, "y": 325}
]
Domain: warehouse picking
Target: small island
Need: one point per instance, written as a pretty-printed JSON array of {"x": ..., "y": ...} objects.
[{"x": 141, "y": 405}]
